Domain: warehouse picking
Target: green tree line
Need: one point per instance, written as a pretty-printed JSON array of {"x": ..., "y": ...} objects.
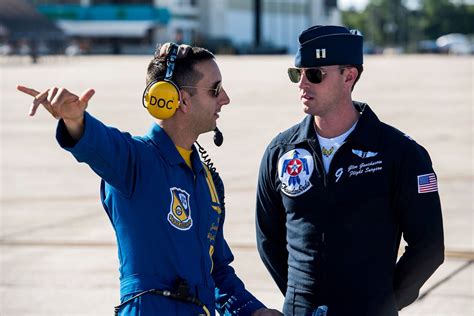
[{"x": 393, "y": 23}]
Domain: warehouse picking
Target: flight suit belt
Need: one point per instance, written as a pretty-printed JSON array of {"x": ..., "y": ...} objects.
[{"x": 139, "y": 283}]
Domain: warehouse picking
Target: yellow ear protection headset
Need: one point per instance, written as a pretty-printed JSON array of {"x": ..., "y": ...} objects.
[{"x": 161, "y": 97}]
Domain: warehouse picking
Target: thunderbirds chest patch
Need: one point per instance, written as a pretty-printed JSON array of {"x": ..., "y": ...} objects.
[
  {"x": 180, "y": 209},
  {"x": 294, "y": 170}
]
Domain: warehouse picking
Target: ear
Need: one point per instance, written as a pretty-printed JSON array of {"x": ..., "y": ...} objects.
[
  {"x": 351, "y": 75},
  {"x": 185, "y": 101}
]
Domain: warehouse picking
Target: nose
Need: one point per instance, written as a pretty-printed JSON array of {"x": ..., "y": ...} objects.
[
  {"x": 304, "y": 82},
  {"x": 224, "y": 97}
]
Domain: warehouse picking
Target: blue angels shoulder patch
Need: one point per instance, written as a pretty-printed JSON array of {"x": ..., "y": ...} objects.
[
  {"x": 180, "y": 209},
  {"x": 294, "y": 170}
]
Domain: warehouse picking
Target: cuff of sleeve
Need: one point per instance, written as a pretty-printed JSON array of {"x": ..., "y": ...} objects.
[
  {"x": 66, "y": 141},
  {"x": 63, "y": 137},
  {"x": 406, "y": 297},
  {"x": 246, "y": 309}
]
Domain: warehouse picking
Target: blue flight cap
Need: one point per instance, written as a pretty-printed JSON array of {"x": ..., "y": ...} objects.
[{"x": 324, "y": 45}]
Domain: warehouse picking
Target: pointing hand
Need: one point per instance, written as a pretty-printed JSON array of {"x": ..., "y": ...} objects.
[
  {"x": 62, "y": 104},
  {"x": 59, "y": 102}
]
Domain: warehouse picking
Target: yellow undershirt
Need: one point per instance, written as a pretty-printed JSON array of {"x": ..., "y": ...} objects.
[{"x": 186, "y": 154}]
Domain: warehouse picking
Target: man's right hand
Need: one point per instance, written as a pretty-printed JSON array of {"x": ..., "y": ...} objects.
[{"x": 62, "y": 104}]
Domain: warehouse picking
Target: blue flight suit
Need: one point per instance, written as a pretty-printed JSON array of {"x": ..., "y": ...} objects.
[{"x": 167, "y": 220}]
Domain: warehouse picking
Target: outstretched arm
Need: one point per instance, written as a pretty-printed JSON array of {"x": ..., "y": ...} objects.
[
  {"x": 62, "y": 104},
  {"x": 109, "y": 152}
]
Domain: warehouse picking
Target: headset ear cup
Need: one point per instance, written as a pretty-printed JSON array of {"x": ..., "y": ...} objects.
[{"x": 162, "y": 99}]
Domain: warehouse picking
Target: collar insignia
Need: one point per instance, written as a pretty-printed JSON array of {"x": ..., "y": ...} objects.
[{"x": 328, "y": 152}]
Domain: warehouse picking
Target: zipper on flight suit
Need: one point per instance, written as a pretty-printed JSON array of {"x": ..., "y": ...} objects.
[
  {"x": 321, "y": 248},
  {"x": 318, "y": 160},
  {"x": 334, "y": 158},
  {"x": 198, "y": 229}
]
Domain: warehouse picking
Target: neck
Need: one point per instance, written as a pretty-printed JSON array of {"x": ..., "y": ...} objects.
[
  {"x": 180, "y": 135},
  {"x": 336, "y": 122}
]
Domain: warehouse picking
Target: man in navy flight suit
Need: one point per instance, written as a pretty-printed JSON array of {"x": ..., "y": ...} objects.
[{"x": 338, "y": 191}]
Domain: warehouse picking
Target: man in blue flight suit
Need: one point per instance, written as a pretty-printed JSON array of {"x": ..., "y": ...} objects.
[
  {"x": 165, "y": 205},
  {"x": 338, "y": 191}
]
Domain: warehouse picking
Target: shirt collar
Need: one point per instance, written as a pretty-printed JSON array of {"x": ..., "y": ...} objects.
[
  {"x": 367, "y": 131},
  {"x": 165, "y": 145},
  {"x": 365, "y": 134}
]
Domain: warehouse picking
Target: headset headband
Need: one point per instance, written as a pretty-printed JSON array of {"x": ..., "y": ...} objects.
[
  {"x": 162, "y": 96},
  {"x": 171, "y": 60}
]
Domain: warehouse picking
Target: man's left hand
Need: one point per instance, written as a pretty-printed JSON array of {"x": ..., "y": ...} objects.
[{"x": 266, "y": 312}]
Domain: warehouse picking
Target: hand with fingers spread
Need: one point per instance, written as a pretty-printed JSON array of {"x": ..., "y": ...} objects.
[
  {"x": 62, "y": 104},
  {"x": 266, "y": 312}
]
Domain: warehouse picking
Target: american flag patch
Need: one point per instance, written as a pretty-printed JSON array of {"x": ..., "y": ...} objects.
[{"x": 427, "y": 183}]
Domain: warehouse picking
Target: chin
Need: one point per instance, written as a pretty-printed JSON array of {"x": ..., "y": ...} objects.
[
  {"x": 307, "y": 109},
  {"x": 210, "y": 129}
]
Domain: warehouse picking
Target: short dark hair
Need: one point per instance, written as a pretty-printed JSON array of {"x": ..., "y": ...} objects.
[
  {"x": 360, "y": 69},
  {"x": 184, "y": 73}
]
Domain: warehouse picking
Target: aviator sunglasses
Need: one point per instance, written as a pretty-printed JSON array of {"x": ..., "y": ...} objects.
[
  {"x": 314, "y": 75},
  {"x": 217, "y": 90}
]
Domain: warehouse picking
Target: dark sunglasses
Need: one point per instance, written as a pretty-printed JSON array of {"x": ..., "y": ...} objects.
[
  {"x": 217, "y": 90},
  {"x": 314, "y": 75}
]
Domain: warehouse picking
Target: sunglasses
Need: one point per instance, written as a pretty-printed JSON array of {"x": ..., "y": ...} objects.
[
  {"x": 217, "y": 90},
  {"x": 314, "y": 75}
]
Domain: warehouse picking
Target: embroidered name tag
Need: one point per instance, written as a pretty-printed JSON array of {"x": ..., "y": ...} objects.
[{"x": 365, "y": 168}]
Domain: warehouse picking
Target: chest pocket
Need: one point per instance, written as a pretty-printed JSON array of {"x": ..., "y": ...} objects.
[
  {"x": 362, "y": 188},
  {"x": 360, "y": 177}
]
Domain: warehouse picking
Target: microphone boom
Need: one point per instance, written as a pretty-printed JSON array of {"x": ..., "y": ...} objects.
[{"x": 218, "y": 137}]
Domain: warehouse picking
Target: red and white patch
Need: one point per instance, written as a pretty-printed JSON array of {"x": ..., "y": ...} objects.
[{"x": 294, "y": 170}]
